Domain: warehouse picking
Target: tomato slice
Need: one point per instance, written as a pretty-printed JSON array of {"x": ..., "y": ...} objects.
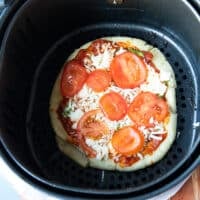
[
  {"x": 99, "y": 80},
  {"x": 90, "y": 127},
  {"x": 128, "y": 141},
  {"x": 73, "y": 77},
  {"x": 113, "y": 106},
  {"x": 128, "y": 70},
  {"x": 147, "y": 105},
  {"x": 82, "y": 54}
]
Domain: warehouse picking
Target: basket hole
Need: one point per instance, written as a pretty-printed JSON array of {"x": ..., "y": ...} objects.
[
  {"x": 182, "y": 97},
  {"x": 161, "y": 49},
  {"x": 169, "y": 162},
  {"x": 112, "y": 177},
  {"x": 158, "y": 172},
  {"x": 178, "y": 82},
  {"x": 183, "y": 105},
  {"x": 184, "y": 77},
  {"x": 175, "y": 157},
  {"x": 120, "y": 177},
  {"x": 180, "y": 70},
  {"x": 168, "y": 55},
  {"x": 135, "y": 182},
  {"x": 180, "y": 128},
  {"x": 143, "y": 179},
  {"x": 155, "y": 45},
  {"x": 179, "y": 150},
  {"x": 181, "y": 90},
  {"x": 182, "y": 120},
  {"x": 176, "y": 64},
  {"x": 151, "y": 176}
]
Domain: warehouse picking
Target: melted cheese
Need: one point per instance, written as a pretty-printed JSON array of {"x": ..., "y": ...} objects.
[
  {"x": 102, "y": 60},
  {"x": 153, "y": 132},
  {"x": 153, "y": 83},
  {"x": 100, "y": 146},
  {"x": 86, "y": 99}
]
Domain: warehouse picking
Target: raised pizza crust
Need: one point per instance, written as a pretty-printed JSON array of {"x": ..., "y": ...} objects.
[{"x": 78, "y": 156}]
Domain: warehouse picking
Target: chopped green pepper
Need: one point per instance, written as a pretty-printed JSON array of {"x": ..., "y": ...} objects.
[{"x": 136, "y": 51}]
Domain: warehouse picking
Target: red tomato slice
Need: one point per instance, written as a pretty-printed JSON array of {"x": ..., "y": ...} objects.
[
  {"x": 82, "y": 54},
  {"x": 147, "y": 105},
  {"x": 128, "y": 70},
  {"x": 128, "y": 141},
  {"x": 99, "y": 80},
  {"x": 73, "y": 77},
  {"x": 89, "y": 127},
  {"x": 113, "y": 106}
]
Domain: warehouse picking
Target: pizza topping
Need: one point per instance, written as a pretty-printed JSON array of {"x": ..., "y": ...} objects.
[
  {"x": 155, "y": 131},
  {"x": 136, "y": 51},
  {"x": 145, "y": 106},
  {"x": 128, "y": 141},
  {"x": 73, "y": 78},
  {"x": 100, "y": 146},
  {"x": 90, "y": 127},
  {"x": 154, "y": 83},
  {"x": 113, "y": 106},
  {"x": 91, "y": 153},
  {"x": 101, "y": 57},
  {"x": 99, "y": 80},
  {"x": 128, "y": 70},
  {"x": 148, "y": 56}
]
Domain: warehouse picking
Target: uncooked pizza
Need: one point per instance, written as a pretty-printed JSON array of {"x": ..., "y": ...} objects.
[{"x": 113, "y": 105}]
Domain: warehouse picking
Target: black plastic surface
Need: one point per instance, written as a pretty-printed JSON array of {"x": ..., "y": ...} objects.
[{"x": 33, "y": 51}]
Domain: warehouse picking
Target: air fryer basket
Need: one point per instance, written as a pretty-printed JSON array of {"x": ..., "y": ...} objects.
[{"x": 42, "y": 35}]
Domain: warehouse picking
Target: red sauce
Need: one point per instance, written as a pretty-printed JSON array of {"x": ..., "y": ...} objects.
[
  {"x": 152, "y": 145},
  {"x": 67, "y": 123}
]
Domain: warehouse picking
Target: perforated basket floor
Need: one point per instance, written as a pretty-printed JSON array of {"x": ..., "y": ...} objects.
[{"x": 59, "y": 169}]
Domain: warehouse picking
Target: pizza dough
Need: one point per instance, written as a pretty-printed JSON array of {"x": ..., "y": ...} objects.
[{"x": 166, "y": 77}]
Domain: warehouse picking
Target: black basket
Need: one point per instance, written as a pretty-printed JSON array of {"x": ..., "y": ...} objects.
[{"x": 40, "y": 38}]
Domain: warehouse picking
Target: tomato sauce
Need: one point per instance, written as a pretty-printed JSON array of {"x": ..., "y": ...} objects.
[{"x": 67, "y": 123}]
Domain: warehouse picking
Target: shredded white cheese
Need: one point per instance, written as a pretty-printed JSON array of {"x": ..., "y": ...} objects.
[
  {"x": 153, "y": 83},
  {"x": 102, "y": 60},
  {"x": 114, "y": 125},
  {"x": 154, "y": 132},
  {"x": 100, "y": 146},
  {"x": 127, "y": 94}
]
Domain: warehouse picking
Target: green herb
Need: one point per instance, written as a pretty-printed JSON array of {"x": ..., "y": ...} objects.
[
  {"x": 136, "y": 51},
  {"x": 67, "y": 111},
  {"x": 118, "y": 127}
]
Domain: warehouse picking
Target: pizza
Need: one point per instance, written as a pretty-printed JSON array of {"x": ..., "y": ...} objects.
[{"x": 113, "y": 105}]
